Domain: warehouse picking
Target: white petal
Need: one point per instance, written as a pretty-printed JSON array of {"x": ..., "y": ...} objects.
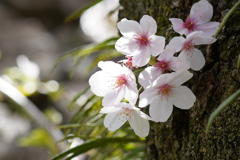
[
  {"x": 197, "y": 60},
  {"x": 166, "y": 55},
  {"x": 179, "y": 78},
  {"x": 127, "y": 105},
  {"x": 202, "y": 11},
  {"x": 183, "y": 97},
  {"x": 193, "y": 35},
  {"x": 99, "y": 83},
  {"x": 129, "y": 27},
  {"x": 112, "y": 121},
  {"x": 156, "y": 45},
  {"x": 130, "y": 76},
  {"x": 143, "y": 115},
  {"x": 147, "y": 76},
  {"x": 142, "y": 58},
  {"x": 178, "y": 26},
  {"x": 139, "y": 125},
  {"x": 127, "y": 46},
  {"x": 147, "y": 96},
  {"x": 179, "y": 64},
  {"x": 111, "y": 67},
  {"x": 177, "y": 43},
  {"x": 109, "y": 109},
  {"x": 160, "y": 110},
  {"x": 149, "y": 25},
  {"x": 183, "y": 55},
  {"x": 162, "y": 79},
  {"x": 209, "y": 28},
  {"x": 198, "y": 38},
  {"x": 113, "y": 97},
  {"x": 203, "y": 40},
  {"x": 131, "y": 94}
]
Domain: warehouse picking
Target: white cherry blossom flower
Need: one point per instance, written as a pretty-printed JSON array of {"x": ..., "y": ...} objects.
[
  {"x": 99, "y": 22},
  {"x": 199, "y": 20},
  {"x": 119, "y": 114},
  {"x": 165, "y": 92},
  {"x": 114, "y": 83},
  {"x": 188, "y": 50},
  {"x": 165, "y": 62},
  {"x": 139, "y": 40}
]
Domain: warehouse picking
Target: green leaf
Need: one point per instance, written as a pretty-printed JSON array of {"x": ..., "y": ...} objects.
[
  {"x": 67, "y": 55},
  {"x": 91, "y": 145},
  {"x": 40, "y": 138},
  {"x": 76, "y": 14},
  {"x": 103, "y": 56},
  {"x": 106, "y": 45},
  {"x": 238, "y": 66},
  {"x": 70, "y": 105},
  {"x": 82, "y": 52},
  {"x": 228, "y": 101}
]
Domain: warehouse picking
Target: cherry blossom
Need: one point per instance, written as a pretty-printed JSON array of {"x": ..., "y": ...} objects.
[
  {"x": 127, "y": 62},
  {"x": 199, "y": 20},
  {"x": 165, "y": 62},
  {"x": 188, "y": 50},
  {"x": 139, "y": 40},
  {"x": 104, "y": 15},
  {"x": 114, "y": 83},
  {"x": 119, "y": 114},
  {"x": 166, "y": 91}
]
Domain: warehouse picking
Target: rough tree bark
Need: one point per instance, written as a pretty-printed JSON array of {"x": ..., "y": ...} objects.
[{"x": 183, "y": 135}]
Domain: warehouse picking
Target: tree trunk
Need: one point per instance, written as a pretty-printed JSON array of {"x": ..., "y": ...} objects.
[{"x": 183, "y": 135}]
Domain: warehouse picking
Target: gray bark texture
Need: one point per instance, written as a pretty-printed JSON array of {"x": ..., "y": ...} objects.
[{"x": 183, "y": 135}]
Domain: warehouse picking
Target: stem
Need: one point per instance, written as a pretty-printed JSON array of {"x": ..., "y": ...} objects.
[
  {"x": 138, "y": 70},
  {"x": 140, "y": 90},
  {"x": 226, "y": 17}
]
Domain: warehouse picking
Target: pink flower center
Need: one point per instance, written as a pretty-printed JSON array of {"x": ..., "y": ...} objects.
[
  {"x": 165, "y": 91},
  {"x": 125, "y": 114},
  {"x": 163, "y": 65},
  {"x": 188, "y": 46},
  {"x": 190, "y": 24},
  {"x": 129, "y": 63},
  {"x": 142, "y": 39},
  {"x": 121, "y": 80}
]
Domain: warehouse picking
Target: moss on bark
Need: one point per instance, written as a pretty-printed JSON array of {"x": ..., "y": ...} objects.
[{"x": 183, "y": 135}]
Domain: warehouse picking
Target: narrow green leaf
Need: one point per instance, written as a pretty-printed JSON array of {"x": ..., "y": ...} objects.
[
  {"x": 76, "y": 14},
  {"x": 91, "y": 145},
  {"x": 220, "y": 108},
  {"x": 95, "y": 48},
  {"x": 226, "y": 17},
  {"x": 80, "y": 111},
  {"x": 103, "y": 56},
  {"x": 75, "y": 125},
  {"x": 75, "y": 66},
  {"x": 238, "y": 66},
  {"x": 76, "y": 97},
  {"x": 67, "y": 55},
  {"x": 84, "y": 51}
]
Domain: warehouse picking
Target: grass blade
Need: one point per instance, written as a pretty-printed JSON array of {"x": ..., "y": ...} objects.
[
  {"x": 76, "y": 14},
  {"x": 91, "y": 145},
  {"x": 220, "y": 108}
]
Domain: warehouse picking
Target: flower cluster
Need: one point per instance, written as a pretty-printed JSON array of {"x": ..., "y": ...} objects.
[{"x": 162, "y": 79}]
